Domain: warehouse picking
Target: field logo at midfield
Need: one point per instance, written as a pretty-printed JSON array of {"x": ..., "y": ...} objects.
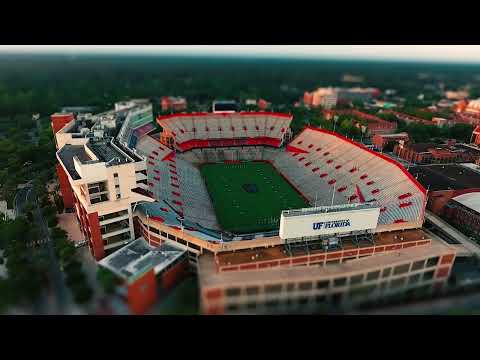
[{"x": 331, "y": 224}]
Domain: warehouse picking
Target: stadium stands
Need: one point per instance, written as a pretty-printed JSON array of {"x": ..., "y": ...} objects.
[
  {"x": 203, "y": 130},
  {"x": 358, "y": 174},
  {"x": 326, "y": 168},
  {"x": 136, "y": 125}
]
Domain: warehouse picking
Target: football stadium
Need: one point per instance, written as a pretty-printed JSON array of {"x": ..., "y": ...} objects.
[
  {"x": 230, "y": 175},
  {"x": 264, "y": 218}
]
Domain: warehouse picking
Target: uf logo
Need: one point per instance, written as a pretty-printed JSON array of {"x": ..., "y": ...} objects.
[{"x": 317, "y": 226}]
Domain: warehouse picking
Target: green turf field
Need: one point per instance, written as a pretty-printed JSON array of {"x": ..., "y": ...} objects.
[{"x": 249, "y": 196}]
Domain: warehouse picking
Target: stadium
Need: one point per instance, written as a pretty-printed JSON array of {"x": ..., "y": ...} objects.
[
  {"x": 230, "y": 176},
  {"x": 258, "y": 214}
]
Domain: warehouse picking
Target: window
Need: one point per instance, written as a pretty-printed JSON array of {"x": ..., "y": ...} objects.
[
  {"x": 383, "y": 286},
  {"x": 397, "y": 283},
  {"x": 332, "y": 262},
  {"x": 418, "y": 265},
  {"x": 305, "y": 286},
  {"x": 118, "y": 196},
  {"x": 251, "y": 305},
  {"x": 290, "y": 287},
  {"x": 252, "y": 290},
  {"x": 428, "y": 275},
  {"x": 272, "y": 303},
  {"x": 232, "y": 307},
  {"x": 386, "y": 272},
  {"x": 171, "y": 237},
  {"x": 303, "y": 301},
  {"x": 115, "y": 175},
  {"x": 357, "y": 279},
  {"x": 181, "y": 241},
  {"x": 320, "y": 298},
  {"x": 374, "y": 275},
  {"x": 117, "y": 186},
  {"x": 232, "y": 292},
  {"x": 339, "y": 282},
  {"x": 323, "y": 284},
  {"x": 432, "y": 261},
  {"x": 152, "y": 229},
  {"x": 401, "y": 269},
  {"x": 193, "y": 246},
  {"x": 269, "y": 289},
  {"x": 414, "y": 279},
  {"x": 163, "y": 233}
]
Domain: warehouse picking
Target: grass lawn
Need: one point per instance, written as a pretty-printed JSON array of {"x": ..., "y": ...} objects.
[{"x": 249, "y": 196}]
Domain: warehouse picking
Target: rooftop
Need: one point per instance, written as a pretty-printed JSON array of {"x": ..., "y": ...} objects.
[
  {"x": 108, "y": 154},
  {"x": 67, "y": 153},
  {"x": 446, "y": 177},
  {"x": 327, "y": 209},
  {"x": 470, "y": 200},
  {"x": 209, "y": 277},
  {"x": 280, "y": 252},
  {"x": 138, "y": 257}
]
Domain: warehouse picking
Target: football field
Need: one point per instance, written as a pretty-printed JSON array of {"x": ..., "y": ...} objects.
[{"x": 249, "y": 196}]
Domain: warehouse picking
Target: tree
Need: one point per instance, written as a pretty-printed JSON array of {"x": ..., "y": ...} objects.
[
  {"x": 107, "y": 279},
  {"x": 59, "y": 203},
  {"x": 52, "y": 221},
  {"x": 82, "y": 294}
]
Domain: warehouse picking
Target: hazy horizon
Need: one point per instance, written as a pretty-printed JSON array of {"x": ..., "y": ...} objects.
[{"x": 465, "y": 54}]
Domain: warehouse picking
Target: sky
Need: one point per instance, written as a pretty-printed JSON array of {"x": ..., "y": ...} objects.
[{"x": 435, "y": 53}]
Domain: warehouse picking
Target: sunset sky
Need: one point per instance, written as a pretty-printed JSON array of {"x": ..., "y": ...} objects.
[{"x": 443, "y": 53}]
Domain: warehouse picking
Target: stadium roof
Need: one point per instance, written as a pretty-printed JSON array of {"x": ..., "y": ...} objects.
[
  {"x": 446, "y": 177},
  {"x": 470, "y": 200},
  {"x": 138, "y": 257}
]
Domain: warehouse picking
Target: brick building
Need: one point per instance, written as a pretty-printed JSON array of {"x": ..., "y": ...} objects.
[
  {"x": 143, "y": 271},
  {"x": 476, "y": 136},
  {"x": 463, "y": 211},
  {"x": 173, "y": 103},
  {"x": 387, "y": 141},
  {"x": 445, "y": 182},
  {"x": 431, "y": 153}
]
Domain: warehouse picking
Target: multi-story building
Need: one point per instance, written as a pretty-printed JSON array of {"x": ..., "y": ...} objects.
[
  {"x": 101, "y": 179},
  {"x": 476, "y": 136},
  {"x": 463, "y": 211},
  {"x": 387, "y": 141},
  {"x": 173, "y": 103},
  {"x": 445, "y": 182},
  {"x": 141, "y": 270},
  {"x": 473, "y": 106},
  {"x": 273, "y": 281},
  {"x": 431, "y": 153}
]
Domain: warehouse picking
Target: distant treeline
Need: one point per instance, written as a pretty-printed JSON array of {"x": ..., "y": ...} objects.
[{"x": 44, "y": 83}]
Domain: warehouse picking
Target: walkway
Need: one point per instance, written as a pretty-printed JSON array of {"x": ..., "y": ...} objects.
[{"x": 468, "y": 244}]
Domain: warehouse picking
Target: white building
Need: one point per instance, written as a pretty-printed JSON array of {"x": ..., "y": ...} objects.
[{"x": 325, "y": 97}]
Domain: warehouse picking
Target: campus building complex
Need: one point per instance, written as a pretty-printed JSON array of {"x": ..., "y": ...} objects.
[{"x": 269, "y": 222}]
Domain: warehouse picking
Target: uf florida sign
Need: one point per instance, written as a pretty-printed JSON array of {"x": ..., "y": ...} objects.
[{"x": 327, "y": 222}]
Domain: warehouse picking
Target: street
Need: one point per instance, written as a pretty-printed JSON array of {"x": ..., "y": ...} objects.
[{"x": 57, "y": 280}]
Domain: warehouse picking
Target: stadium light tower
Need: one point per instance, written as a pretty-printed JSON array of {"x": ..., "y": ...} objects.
[{"x": 333, "y": 195}]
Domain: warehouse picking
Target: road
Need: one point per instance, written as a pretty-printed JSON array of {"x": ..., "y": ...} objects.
[
  {"x": 59, "y": 287},
  {"x": 21, "y": 200}
]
